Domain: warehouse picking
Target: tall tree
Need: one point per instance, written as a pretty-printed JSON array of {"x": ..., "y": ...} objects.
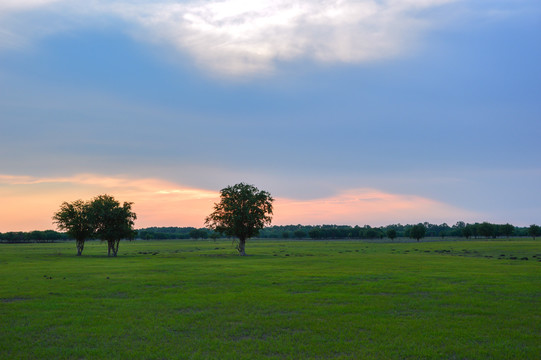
[
  {"x": 243, "y": 210},
  {"x": 418, "y": 231},
  {"x": 73, "y": 219},
  {"x": 111, "y": 221}
]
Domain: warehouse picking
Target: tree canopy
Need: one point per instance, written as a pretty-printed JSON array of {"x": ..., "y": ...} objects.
[
  {"x": 391, "y": 234},
  {"x": 73, "y": 218},
  {"x": 111, "y": 221},
  {"x": 243, "y": 210},
  {"x": 534, "y": 230},
  {"x": 418, "y": 231}
]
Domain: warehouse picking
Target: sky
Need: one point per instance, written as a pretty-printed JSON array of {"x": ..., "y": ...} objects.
[{"x": 348, "y": 112}]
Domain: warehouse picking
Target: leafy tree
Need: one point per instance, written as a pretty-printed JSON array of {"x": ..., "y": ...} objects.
[
  {"x": 299, "y": 234},
  {"x": 534, "y": 231},
  {"x": 315, "y": 233},
  {"x": 371, "y": 234},
  {"x": 486, "y": 229},
  {"x": 243, "y": 210},
  {"x": 112, "y": 222},
  {"x": 467, "y": 231},
  {"x": 507, "y": 230},
  {"x": 199, "y": 234},
  {"x": 214, "y": 235},
  {"x": 418, "y": 231},
  {"x": 73, "y": 218},
  {"x": 391, "y": 234}
]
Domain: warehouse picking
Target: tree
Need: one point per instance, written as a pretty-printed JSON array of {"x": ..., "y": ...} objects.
[
  {"x": 199, "y": 234},
  {"x": 486, "y": 229},
  {"x": 315, "y": 233},
  {"x": 73, "y": 219},
  {"x": 243, "y": 210},
  {"x": 418, "y": 231},
  {"x": 391, "y": 234},
  {"x": 371, "y": 234},
  {"x": 112, "y": 222},
  {"x": 534, "y": 231},
  {"x": 468, "y": 231},
  {"x": 508, "y": 230}
]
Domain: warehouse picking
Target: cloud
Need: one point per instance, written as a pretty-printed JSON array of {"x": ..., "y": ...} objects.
[
  {"x": 238, "y": 37},
  {"x": 28, "y": 203},
  {"x": 367, "y": 207},
  {"x": 242, "y": 37}
]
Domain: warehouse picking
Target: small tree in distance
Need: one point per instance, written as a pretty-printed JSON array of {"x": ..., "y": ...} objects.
[
  {"x": 73, "y": 218},
  {"x": 534, "y": 231},
  {"x": 391, "y": 234},
  {"x": 243, "y": 210},
  {"x": 508, "y": 230},
  {"x": 418, "y": 232}
]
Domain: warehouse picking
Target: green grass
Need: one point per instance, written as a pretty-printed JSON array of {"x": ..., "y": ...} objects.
[{"x": 288, "y": 300}]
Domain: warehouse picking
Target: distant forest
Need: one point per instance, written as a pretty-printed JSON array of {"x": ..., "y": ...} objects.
[
  {"x": 316, "y": 232},
  {"x": 460, "y": 229}
]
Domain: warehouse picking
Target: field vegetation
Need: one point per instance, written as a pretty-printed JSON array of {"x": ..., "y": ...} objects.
[{"x": 289, "y": 300}]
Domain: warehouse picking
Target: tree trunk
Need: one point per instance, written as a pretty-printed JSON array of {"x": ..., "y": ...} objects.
[
  {"x": 109, "y": 247},
  {"x": 115, "y": 247},
  {"x": 241, "y": 247},
  {"x": 80, "y": 246}
]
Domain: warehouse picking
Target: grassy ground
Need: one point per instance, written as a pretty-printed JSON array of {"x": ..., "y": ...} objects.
[{"x": 288, "y": 300}]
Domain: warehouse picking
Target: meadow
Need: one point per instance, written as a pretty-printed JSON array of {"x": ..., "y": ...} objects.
[{"x": 186, "y": 299}]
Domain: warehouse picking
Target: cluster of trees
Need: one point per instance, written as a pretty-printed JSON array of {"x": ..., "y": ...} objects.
[
  {"x": 317, "y": 232},
  {"x": 163, "y": 233},
  {"x": 460, "y": 229},
  {"x": 32, "y": 236},
  {"x": 100, "y": 218},
  {"x": 243, "y": 210}
]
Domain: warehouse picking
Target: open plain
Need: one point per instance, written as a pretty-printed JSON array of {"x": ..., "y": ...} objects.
[{"x": 338, "y": 299}]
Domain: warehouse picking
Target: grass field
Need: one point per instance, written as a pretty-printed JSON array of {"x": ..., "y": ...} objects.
[{"x": 288, "y": 300}]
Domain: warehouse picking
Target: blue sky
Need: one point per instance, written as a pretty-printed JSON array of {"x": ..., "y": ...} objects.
[{"x": 431, "y": 100}]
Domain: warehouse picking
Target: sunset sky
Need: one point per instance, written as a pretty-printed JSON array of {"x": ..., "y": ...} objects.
[{"x": 347, "y": 112}]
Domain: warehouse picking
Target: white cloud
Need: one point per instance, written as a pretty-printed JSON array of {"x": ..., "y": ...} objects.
[
  {"x": 235, "y": 37},
  {"x": 241, "y": 37}
]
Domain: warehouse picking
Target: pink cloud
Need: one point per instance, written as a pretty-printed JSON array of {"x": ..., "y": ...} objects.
[
  {"x": 366, "y": 206},
  {"x": 28, "y": 203}
]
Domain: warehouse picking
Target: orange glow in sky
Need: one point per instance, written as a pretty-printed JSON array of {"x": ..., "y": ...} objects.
[{"x": 28, "y": 203}]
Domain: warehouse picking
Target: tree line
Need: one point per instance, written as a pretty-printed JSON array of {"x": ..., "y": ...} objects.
[
  {"x": 242, "y": 213},
  {"x": 32, "y": 236},
  {"x": 329, "y": 232},
  {"x": 459, "y": 230}
]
